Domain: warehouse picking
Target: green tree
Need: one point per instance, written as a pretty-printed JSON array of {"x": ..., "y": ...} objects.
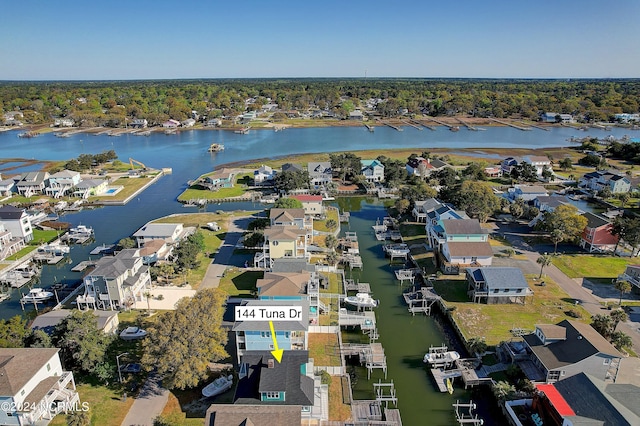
[
  {"x": 181, "y": 343},
  {"x": 603, "y": 325},
  {"x": 618, "y": 316},
  {"x": 127, "y": 243},
  {"x": 78, "y": 418},
  {"x": 478, "y": 200},
  {"x": 564, "y": 223},
  {"x": 503, "y": 390},
  {"x": 402, "y": 205},
  {"x": 544, "y": 261},
  {"x": 291, "y": 180},
  {"x": 477, "y": 346},
  {"x": 525, "y": 172},
  {"x": 287, "y": 203},
  {"x": 517, "y": 208},
  {"x": 624, "y": 198},
  {"x": 82, "y": 344},
  {"x": 621, "y": 340},
  {"x": 332, "y": 258},
  {"x": 623, "y": 286},
  {"x": 13, "y": 332},
  {"x": 330, "y": 241},
  {"x": 188, "y": 250},
  {"x": 547, "y": 173},
  {"x": 331, "y": 224},
  {"x": 566, "y": 164}
]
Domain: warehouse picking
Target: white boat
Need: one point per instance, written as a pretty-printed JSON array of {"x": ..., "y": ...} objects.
[
  {"x": 216, "y": 147},
  {"x": 362, "y": 300},
  {"x": 132, "y": 333},
  {"x": 441, "y": 357},
  {"x": 218, "y": 386},
  {"x": 36, "y": 294},
  {"x": 82, "y": 230},
  {"x": 55, "y": 249}
]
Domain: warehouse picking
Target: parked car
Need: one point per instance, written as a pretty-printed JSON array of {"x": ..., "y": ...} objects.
[
  {"x": 131, "y": 368},
  {"x": 213, "y": 226}
]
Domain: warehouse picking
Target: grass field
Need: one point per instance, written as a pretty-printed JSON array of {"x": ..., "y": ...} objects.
[
  {"x": 107, "y": 406},
  {"x": 130, "y": 186},
  {"x": 239, "y": 282},
  {"x": 338, "y": 410},
  {"x": 593, "y": 267},
  {"x": 323, "y": 348},
  {"x": 321, "y": 225},
  {"x": 549, "y": 305}
]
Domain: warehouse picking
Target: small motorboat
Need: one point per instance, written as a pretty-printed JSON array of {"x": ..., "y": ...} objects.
[
  {"x": 132, "y": 333},
  {"x": 81, "y": 230},
  {"x": 218, "y": 386},
  {"x": 36, "y": 295},
  {"x": 362, "y": 300},
  {"x": 216, "y": 147},
  {"x": 55, "y": 249},
  {"x": 441, "y": 357}
]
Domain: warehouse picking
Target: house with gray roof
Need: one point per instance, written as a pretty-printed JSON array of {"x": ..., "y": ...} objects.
[
  {"x": 527, "y": 192},
  {"x": 600, "y": 179},
  {"x": 422, "y": 207},
  {"x": 33, "y": 386},
  {"x": 598, "y": 235},
  {"x": 497, "y": 285},
  {"x": 292, "y": 167},
  {"x": 170, "y": 233},
  {"x": 31, "y": 183},
  {"x": 107, "y": 321},
  {"x": 7, "y": 186},
  {"x": 17, "y": 222},
  {"x": 264, "y": 381},
  {"x": 245, "y": 415},
  {"x": 90, "y": 187},
  {"x": 560, "y": 351},
  {"x": 320, "y": 173},
  {"x": 460, "y": 243},
  {"x": 62, "y": 182},
  {"x": 8, "y": 243},
  {"x": 116, "y": 282}
]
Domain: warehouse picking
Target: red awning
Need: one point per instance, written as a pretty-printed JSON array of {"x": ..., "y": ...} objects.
[{"x": 558, "y": 402}]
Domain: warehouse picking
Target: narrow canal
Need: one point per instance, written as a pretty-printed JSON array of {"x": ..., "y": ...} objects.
[{"x": 404, "y": 337}]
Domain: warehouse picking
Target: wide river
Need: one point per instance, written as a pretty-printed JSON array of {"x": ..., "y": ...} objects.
[{"x": 405, "y": 338}]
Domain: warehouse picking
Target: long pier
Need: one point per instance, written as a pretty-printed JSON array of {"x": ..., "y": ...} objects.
[
  {"x": 369, "y": 127},
  {"x": 467, "y": 125},
  {"x": 506, "y": 123},
  {"x": 535, "y": 126},
  {"x": 442, "y": 123},
  {"x": 386, "y": 123},
  {"x": 415, "y": 126}
]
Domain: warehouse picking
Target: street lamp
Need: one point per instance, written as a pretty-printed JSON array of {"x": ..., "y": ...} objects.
[{"x": 118, "y": 364}]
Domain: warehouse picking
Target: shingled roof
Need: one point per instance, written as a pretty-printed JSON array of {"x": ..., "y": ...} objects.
[
  {"x": 252, "y": 415},
  {"x": 18, "y": 365}
]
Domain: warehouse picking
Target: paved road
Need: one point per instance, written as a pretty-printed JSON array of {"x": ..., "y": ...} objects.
[
  {"x": 585, "y": 297},
  {"x": 235, "y": 228},
  {"x": 148, "y": 405}
]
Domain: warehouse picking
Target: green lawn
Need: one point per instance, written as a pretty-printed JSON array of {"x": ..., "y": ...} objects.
[
  {"x": 323, "y": 348},
  {"x": 335, "y": 283},
  {"x": 131, "y": 185},
  {"x": 107, "y": 406},
  {"x": 321, "y": 225},
  {"x": 23, "y": 252},
  {"x": 413, "y": 233},
  {"x": 598, "y": 267},
  {"x": 549, "y": 305},
  {"x": 239, "y": 282}
]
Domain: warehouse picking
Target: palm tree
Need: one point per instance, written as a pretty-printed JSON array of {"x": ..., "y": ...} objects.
[
  {"x": 503, "y": 390},
  {"x": 618, "y": 316},
  {"x": 477, "y": 346},
  {"x": 602, "y": 324},
  {"x": 78, "y": 418},
  {"x": 621, "y": 340},
  {"x": 623, "y": 286},
  {"x": 147, "y": 294},
  {"x": 543, "y": 261}
]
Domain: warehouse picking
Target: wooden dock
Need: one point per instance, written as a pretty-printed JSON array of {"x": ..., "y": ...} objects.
[
  {"x": 467, "y": 125},
  {"x": 442, "y": 123},
  {"x": 386, "y": 123},
  {"x": 83, "y": 265},
  {"x": 369, "y": 127},
  {"x": 506, "y": 123},
  {"x": 421, "y": 301},
  {"x": 546, "y": 129},
  {"x": 410, "y": 123},
  {"x": 358, "y": 287}
]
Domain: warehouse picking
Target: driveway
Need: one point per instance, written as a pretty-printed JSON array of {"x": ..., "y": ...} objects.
[
  {"x": 148, "y": 405},
  {"x": 224, "y": 258}
]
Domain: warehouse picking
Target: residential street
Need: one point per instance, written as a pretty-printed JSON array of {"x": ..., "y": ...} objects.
[{"x": 575, "y": 290}]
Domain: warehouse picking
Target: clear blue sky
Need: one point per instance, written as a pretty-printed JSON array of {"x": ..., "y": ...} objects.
[{"x": 140, "y": 39}]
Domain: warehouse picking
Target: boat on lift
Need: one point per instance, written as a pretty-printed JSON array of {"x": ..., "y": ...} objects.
[
  {"x": 362, "y": 300},
  {"x": 36, "y": 295}
]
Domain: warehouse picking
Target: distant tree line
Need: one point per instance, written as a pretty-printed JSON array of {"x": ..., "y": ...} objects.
[{"x": 113, "y": 103}]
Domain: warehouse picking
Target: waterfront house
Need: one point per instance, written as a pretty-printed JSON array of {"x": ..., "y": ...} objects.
[
  {"x": 423, "y": 167},
  {"x": 282, "y": 241},
  {"x": 537, "y": 161},
  {"x": 553, "y": 117},
  {"x": 62, "y": 182},
  {"x": 256, "y": 335},
  {"x": 434, "y": 216},
  {"x": 139, "y": 123},
  {"x": 493, "y": 171},
  {"x": 356, "y": 115},
  {"x": 292, "y": 167},
  {"x": 632, "y": 275},
  {"x": 33, "y": 386},
  {"x": 17, "y": 222},
  {"x": 63, "y": 122},
  {"x": 373, "y": 170},
  {"x": 548, "y": 203},
  {"x": 497, "y": 285},
  {"x": 526, "y": 192},
  {"x": 264, "y": 175},
  {"x": 290, "y": 217},
  {"x": 214, "y": 122},
  {"x": 422, "y": 207},
  {"x": 559, "y": 351},
  {"x": 312, "y": 204},
  {"x": 170, "y": 233},
  {"x": 626, "y": 118},
  {"x": 155, "y": 250},
  {"x": 116, "y": 282},
  {"x": 90, "y": 187},
  {"x": 597, "y": 235},
  {"x": 600, "y": 179},
  {"x": 171, "y": 124},
  {"x": 219, "y": 179},
  {"x": 320, "y": 173},
  {"x": 264, "y": 381},
  {"x": 11, "y": 118},
  {"x": 31, "y": 183},
  {"x": 248, "y": 414},
  {"x": 189, "y": 122},
  {"x": 7, "y": 186},
  {"x": 107, "y": 321},
  {"x": 299, "y": 285},
  {"x": 8, "y": 243},
  {"x": 508, "y": 164},
  {"x": 461, "y": 243}
]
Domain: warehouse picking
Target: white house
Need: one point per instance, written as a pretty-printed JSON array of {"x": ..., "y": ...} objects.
[
  {"x": 8, "y": 244},
  {"x": 62, "y": 182},
  {"x": 320, "y": 173},
  {"x": 263, "y": 175},
  {"x": 31, "y": 183},
  {"x": 312, "y": 204},
  {"x": 373, "y": 170},
  {"x": 171, "y": 124},
  {"x": 168, "y": 232},
  {"x": 33, "y": 386},
  {"x": 17, "y": 222},
  {"x": 189, "y": 122},
  {"x": 90, "y": 187}
]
